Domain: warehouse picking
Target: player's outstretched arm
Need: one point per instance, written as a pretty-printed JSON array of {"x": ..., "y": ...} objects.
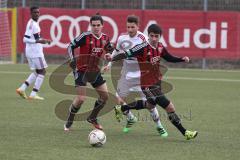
[
  {"x": 174, "y": 59},
  {"x": 186, "y": 59},
  {"x": 119, "y": 56},
  {"x": 43, "y": 41},
  {"x": 133, "y": 52}
]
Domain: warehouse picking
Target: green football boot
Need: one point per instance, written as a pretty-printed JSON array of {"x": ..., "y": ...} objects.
[
  {"x": 190, "y": 134},
  {"x": 118, "y": 113},
  {"x": 163, "y": 133},
  {"x": 129, "y": 124}
]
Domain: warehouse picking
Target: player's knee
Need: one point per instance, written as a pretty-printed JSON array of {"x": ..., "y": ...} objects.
[
  {"x": 104, "y": 97},
  {"x": 41, "y": 71},
  {"x": 80, "y": 99},
  {"x": 170, "y": 108}
]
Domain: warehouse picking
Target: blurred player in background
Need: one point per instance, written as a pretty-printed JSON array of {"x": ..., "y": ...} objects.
[
  {"x": 149, "y": 55},
  {"x": 93, "y": 45},
  {"x": 130, "y": 78},
  {"x": 35, "y": 56}
]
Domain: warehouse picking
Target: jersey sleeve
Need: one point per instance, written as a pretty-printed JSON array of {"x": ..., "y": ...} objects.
[
  {"x": 36, "y": 31},
  {"x": 28, "y": 34},
  {"x": 143, "y": 37},
  {"x": 137, "y": 50},
  {"x": 118, "y": 47},
  {"x": 169, "y": 57},
  {"x": 35, "y": 28},
  {"x": 77, "y": 42},
  {"x": 28, "y": 31}
]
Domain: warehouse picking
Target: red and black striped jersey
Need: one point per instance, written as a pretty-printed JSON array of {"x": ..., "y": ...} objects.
[
  {"x": 91, "y": 50},
  {"x": 149, "y": 59}
]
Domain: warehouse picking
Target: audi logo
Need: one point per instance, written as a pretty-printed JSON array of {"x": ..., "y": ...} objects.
[{"x": 56, "y": 28}]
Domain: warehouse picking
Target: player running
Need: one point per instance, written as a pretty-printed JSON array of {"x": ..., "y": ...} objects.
[
  {"x": 35, "y": 56},
  {"x": 149, "y": 55},
  {"x": 130, "y": 78},
  {"x": 93, "y": 45}
]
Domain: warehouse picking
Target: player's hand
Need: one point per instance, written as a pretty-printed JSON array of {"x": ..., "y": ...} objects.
[
  {"x": 108, "y": 57},
  {"x": 44, "y": 41},
  {"x": 48, "y": 41},
  {"x": 105, "y": 69},
  {"x": 186, "y": 59}
]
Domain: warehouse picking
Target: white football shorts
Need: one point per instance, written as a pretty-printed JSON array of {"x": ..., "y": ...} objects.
[{"x": 37, "y": 63}]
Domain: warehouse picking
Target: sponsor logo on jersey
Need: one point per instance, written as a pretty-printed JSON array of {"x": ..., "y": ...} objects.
[
  {"x": 160, "y": 49},
  {"x": 97, "y": 50},
  {"x": 156, "y": 59}
]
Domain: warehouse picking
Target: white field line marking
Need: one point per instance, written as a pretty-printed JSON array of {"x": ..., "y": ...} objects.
[{"x": 166, "y": 77}]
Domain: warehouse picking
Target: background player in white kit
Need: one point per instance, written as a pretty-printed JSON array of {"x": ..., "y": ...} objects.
[
  {"x": 35, "y": 56},
  {"x": 130, "y": 78}
]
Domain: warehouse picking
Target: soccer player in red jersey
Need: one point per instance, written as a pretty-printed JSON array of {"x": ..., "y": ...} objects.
[
  {"x": 93, "y": 45},
  {"x": 149, "y": 55},
  {"x": 129, "y": 82}
]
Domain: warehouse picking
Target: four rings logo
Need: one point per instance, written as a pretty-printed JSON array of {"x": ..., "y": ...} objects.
[{"x": 56, "y": 30}]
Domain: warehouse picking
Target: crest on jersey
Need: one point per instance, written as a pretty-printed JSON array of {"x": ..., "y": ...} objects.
[
  {"x": 160, "y": 48},
  {"x": 125, "y": 45},
  {"x": 91, "y": 42}
]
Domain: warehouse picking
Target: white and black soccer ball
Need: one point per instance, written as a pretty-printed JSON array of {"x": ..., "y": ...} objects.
[{"x": 97, "y": 138}]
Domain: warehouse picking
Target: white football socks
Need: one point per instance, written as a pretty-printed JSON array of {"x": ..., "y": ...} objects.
[
  {"x": 129, "y": 115},
  {"x": 155, "y": 116},
  {"x": 37, "y": 85},
  {"x": 31, "y": 78}
]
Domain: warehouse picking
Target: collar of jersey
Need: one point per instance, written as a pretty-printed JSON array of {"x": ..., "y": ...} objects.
[
  {"x": 151, "y": 45},
  {"x": 96, "y": 36}
]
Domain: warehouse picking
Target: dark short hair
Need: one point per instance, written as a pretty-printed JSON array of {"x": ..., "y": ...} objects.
[
  {"x": 33, "y": 7},
  {"x": 133, "y": 19},
  {"x": 96, "y": 17},
  {"x": 154, "y": 28}
]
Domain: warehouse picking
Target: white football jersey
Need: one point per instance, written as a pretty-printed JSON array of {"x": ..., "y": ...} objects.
[
  {"x": 130, "y": 66},
  {"x": 33, "y": 49}
]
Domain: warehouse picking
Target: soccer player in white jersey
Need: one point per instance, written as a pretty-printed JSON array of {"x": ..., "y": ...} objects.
[
  {"x": 35, "y": 56},
  {"x": 130, "y": 78}
]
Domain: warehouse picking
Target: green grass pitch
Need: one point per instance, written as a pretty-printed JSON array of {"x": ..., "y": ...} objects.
[{"x": 207, "y": 101}]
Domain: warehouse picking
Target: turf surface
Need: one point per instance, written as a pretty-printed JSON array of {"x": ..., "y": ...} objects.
[{"x": 207, "y": 101}]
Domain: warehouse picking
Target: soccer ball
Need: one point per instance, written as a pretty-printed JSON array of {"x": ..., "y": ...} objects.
[{"x": 97, "y": 138}]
